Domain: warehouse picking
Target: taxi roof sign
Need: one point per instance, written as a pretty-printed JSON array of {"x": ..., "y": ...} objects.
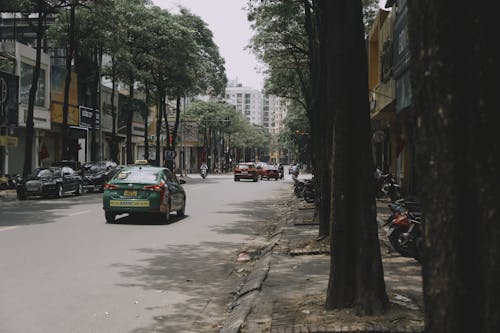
[{"x": 141, "y": 162}]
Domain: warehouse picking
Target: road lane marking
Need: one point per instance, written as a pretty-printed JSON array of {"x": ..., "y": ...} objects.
[
  {"x": 79, "y": 213},
  {"x": 8, "y": 228}
]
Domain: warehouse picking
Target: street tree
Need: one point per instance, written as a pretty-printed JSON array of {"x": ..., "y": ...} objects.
[
  {"x": 355, "y": 248},
  {"x": 454, "y": 92},
  {"x": 197, "y": 67},
  {"x": 42, "y": 8},
  {"x": 131, "y": 59}
]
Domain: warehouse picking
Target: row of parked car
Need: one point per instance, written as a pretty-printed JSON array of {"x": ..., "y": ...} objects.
[
  {"x": 67, "y": 177},
  {"x": 254, "y": 171}
]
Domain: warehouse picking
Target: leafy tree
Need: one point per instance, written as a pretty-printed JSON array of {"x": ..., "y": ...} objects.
[
  {"x": 454, "y": 92},
  {"x": 131, "y": 60},
  {"x": 42, "y": 8}
]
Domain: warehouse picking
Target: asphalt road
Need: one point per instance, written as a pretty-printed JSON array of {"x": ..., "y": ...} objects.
[{"x": 63, "y": 269}]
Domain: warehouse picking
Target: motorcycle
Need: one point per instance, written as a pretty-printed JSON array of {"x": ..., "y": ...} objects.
[
  {"x": 405, "y": 234},
  {"x": 7, "y": 182},
  {"x": 387, "y": 187},
  {"x": 203, "y": 173}
]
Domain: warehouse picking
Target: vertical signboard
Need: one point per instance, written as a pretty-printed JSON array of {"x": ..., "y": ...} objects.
[{"x": 9, "y": 99}]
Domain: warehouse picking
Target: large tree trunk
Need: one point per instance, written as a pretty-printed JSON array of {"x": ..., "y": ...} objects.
[
  {"x": 114, "y": 139},
  {"x": 95, "y": 104},
  {"x": 130, "y": 118},
  {"x": 146, "y": 131},
  {"x": 176, "y": 124},
  {"x": 321, "y": 119},
  {"x": 67, "y": 84},
  {"x": 28, "y": 150},
  {"x": 159, "y": 112},
  {"x": 356, "y": 273},
  {"x": 455, "y": 95}
]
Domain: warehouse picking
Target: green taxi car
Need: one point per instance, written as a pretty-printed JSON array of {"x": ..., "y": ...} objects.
[{"x": 144, "y": 189}]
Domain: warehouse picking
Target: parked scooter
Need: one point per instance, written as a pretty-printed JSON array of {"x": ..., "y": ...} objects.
[
  {"x": 7, "y": 182},
  {"x": 386, "y": 186},
  {"x": 404, "y": 232}
]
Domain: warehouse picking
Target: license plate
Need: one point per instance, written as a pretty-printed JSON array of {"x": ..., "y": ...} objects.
[
  {"x": 32, "y": 188},
  {"x": 129, "y": 193},
  {"x": 129, "y": 203},
  {"x": 244, "y": 172}
]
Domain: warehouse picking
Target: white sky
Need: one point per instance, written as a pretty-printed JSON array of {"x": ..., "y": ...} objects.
[{"x": 228, "y": 22}]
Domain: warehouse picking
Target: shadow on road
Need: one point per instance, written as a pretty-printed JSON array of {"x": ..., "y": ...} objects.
[
  {"x": 37, "y": 210},
  {"x": 203, "y": 274}
]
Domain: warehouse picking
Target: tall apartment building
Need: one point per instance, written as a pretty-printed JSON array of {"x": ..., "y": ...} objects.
[
  {"x": 274, "y": 112},
  {"x": 259, "y": 109},
  {"x": 247, "y": 101}
]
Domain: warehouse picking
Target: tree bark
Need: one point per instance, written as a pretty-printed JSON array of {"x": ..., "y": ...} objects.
[
  {"x": 67, "y": 84},
  {"x": 454, "y": 72},
  {"x": 159, "y": 113},
  {"x": 356, "y": 272},
  {"x": 146, "y": 139},
  {"x": 30, "y": 131},
  {"x": 114, "y": 139},
  {"x": 130, "y": 118},
  {"x": 321, "y": 118}
]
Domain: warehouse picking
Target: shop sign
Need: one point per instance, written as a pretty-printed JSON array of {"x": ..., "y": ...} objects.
[
  {"x": 86, "y": 115},
  {"x": 8, "y": 141},
  {"x": 41, "y": 117},
  {"x": 9, "y": 99}
]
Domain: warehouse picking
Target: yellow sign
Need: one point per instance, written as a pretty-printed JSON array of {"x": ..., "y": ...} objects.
[
  {"x": 129, "y": 203},
  {"x": 8, "y": 141},
  {"x": 58, "y": 78}
]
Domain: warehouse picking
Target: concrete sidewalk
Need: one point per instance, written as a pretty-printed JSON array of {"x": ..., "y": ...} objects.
[{"x": 286, "y": 290}]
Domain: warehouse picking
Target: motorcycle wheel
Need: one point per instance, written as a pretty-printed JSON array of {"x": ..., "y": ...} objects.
[
  {"x": 399, "y": 243},
  {"x": 419, "y": 249}
]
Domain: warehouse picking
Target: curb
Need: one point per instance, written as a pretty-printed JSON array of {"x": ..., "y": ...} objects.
[
  {"x": 246, "y": 296},
  {"x": 8, "y": 195}
]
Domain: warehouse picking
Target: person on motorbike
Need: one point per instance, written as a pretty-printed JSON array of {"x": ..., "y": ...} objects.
[
  {"x": 281, "y": 170},
  {"x": 203, "y": 169},
  {"x": 294, "y": 170}
]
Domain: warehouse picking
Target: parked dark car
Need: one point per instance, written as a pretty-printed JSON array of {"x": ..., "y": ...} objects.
[
  {"x": 75, "y": 165},
  {"x": 96, "y": 174},
  {"x": 53, "y": 181}
]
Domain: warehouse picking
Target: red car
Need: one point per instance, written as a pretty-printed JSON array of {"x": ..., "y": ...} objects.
[
  {"x": 245, "y": 171},
  {"x": 270, "y": 171}
]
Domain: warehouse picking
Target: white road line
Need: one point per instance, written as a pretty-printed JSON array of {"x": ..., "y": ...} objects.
[
  {"x": 8, "y": 228},
  {"x": 79, "y": 213}
]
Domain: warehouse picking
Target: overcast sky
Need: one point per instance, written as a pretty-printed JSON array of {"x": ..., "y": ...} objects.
[{"x": 228, "y": 22}]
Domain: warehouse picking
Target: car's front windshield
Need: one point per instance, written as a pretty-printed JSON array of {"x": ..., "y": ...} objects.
[
  {"x": 42, "y": 173},
  {"x": 137, "y": 176}
]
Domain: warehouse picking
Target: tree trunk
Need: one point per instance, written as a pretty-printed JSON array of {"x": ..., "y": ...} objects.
[
  {"x": 130, "y": 117},
  {"x": 321, "y": 119},
  {"x": 177, "y": 120},
  {"x": 67, "y": 84},
  {"x": 356, "y": 273},
  {"x": 114, "y": 139},
  {"x": 455, "y": 97},
  {"x": 168, "y": 162},
  {"x": 95, "y": 104},
  {"x": 159, "y": 112},
  {"x": 30, "y": 131},
  {"x": 146, "y": 139}
]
